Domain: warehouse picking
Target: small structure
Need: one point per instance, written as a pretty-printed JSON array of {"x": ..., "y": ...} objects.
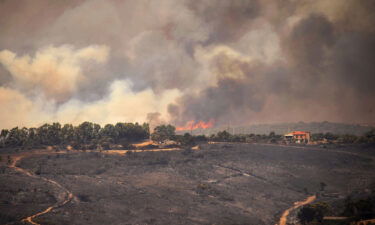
[{"x": 298, "y": 137}]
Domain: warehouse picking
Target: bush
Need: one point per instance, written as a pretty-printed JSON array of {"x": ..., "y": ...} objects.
[
  {"x": 83, "y": 198},
  {"x": 313, "y": 213},
  {"x": 126, "y": 145}
]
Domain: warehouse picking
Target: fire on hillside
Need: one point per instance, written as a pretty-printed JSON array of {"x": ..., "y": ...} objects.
[{"x": 192, "y": 125}]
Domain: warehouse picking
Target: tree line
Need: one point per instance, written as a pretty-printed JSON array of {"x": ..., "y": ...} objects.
[
  {"x": 272, "y": 137},
  {"x": 167, "y": 132},
  {"x": 92, "y": 135},
  {"x": 367, "y": 137},
  {"x": 84, "y": 134}
]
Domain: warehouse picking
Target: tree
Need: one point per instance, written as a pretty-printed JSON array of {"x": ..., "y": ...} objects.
[
  {"x": 185, "y": 140},
  {"x": 348, "y": 138},
  {"x": 86, "y": 132},
  {"x": 33, "y": 137},
  {"x": 317, "y": 137},
  {"x": 200, "y": 138},
  {"x": 313, "y": 212},
  {"x": 129, "y": 132},
  {"x": 360, "y": 209},
  {"x": 306, "y": 215},
  {"x": 3, "y": 136},
  {"x": 16, "y": 137},
  {"x": 330, "y": 137},
  {"x": 67, "y": 133},
  {"x": 370, "y": 136},
  {"x": 49, "y": 134},
  {"x": 223, "y": 136},
  {"x": 109, "y": 132},
  {"x": 163, "y": 132}
]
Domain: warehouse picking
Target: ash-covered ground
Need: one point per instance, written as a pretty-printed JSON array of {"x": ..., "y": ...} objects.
[{"x": 218, "y": 184}]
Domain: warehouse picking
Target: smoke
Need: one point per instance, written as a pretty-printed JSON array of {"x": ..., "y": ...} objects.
[
  {"x": 245, "y": 61},
  {"x": 119, "y": 104},
  {"x": 17, "y": 110},
  {"x": 54, "y": 71},
  {"x": 155, "y": 119},
  {"x": 239, "y": 87},
  {"x": 226, "y": 20}
]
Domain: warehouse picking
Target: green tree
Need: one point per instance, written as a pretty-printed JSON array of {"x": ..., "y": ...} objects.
[
  {"x": 16, "y": 137},
  {"x": 130, "y": 132},
  {"x": 109, "y": 132},
  {"x": 33, "y": 137},
  {"x": 185, "y": 140},
  {"x": 224, "y": 136},
  {"x": 49, "y": 134},
  {"x": 163, "y": 132},
  {"x": 86, "y": 132},
  {"x": 67, "y": 133}
]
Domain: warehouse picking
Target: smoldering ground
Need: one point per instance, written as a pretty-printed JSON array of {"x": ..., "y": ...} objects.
[{"x": 245, "y": 61}]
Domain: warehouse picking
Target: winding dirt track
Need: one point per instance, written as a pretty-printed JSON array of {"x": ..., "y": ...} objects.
[
  {"x": 68, "y": 195},
  {"x": 284, "y": 216}
]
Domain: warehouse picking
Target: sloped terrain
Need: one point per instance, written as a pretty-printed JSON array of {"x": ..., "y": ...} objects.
[{"x": 218, "y": 184}]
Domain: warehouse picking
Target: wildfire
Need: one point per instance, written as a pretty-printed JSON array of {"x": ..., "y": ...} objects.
[{"x": 192, "y": 125}]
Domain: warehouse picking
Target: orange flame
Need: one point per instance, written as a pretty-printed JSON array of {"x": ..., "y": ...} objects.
[{"x": 192, "y": 125}]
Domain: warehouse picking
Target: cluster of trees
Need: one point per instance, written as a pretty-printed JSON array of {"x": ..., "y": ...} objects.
[
  {"x": 224, "y": 136},
  {"x": 86, "y": 133},
  {"x": 93, "y": 134},
  {"x": 367, "y": 137},
  {"x": 163, "y": 132},
  {"x": 353, "y": 210},
  {"x": 360, "y": 209},
  {"x": 167, "y": 132},
  {"x": 250, "y": 138}
]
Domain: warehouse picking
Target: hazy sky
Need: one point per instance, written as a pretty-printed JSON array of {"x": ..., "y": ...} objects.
[{"x": 238, "y": 62}]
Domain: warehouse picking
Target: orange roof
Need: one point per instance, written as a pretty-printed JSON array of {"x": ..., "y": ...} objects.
[{"x": 300, "y": 132}]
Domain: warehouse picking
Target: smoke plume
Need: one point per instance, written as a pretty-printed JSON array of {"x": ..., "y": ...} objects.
[{"x": 238, "y": 62}]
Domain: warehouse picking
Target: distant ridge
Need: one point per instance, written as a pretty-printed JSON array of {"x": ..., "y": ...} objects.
[{"x": 282, "y": 128}]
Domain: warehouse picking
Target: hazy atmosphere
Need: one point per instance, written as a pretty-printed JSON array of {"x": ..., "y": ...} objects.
[
  {"x": 176, "y": 61},
  {"x": 155, "y": 112}
]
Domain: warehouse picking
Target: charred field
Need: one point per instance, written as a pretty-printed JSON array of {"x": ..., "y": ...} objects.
[{"x": 217, "y": 184}]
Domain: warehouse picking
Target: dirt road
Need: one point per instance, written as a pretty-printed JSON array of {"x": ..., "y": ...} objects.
[
  {"x": 68, "y": 195},
  {"x": 284, "y": 216},
  {"x": 15, "y": 158}
]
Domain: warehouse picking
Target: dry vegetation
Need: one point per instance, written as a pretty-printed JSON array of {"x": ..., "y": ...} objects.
[{"x": 219, "y": 184}]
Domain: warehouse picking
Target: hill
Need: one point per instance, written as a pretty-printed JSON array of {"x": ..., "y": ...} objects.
[{"x": 281, "y": 128}]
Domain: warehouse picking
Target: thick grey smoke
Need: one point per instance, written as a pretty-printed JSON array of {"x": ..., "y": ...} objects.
[
  {"x": 326, "y": 71},
  {"x": 242, "y": 61}
]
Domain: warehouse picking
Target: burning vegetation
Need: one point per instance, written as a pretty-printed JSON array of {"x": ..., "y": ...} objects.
[
  {"x": 89, "y": 135},
  {"x": 192, "y": 125}
]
